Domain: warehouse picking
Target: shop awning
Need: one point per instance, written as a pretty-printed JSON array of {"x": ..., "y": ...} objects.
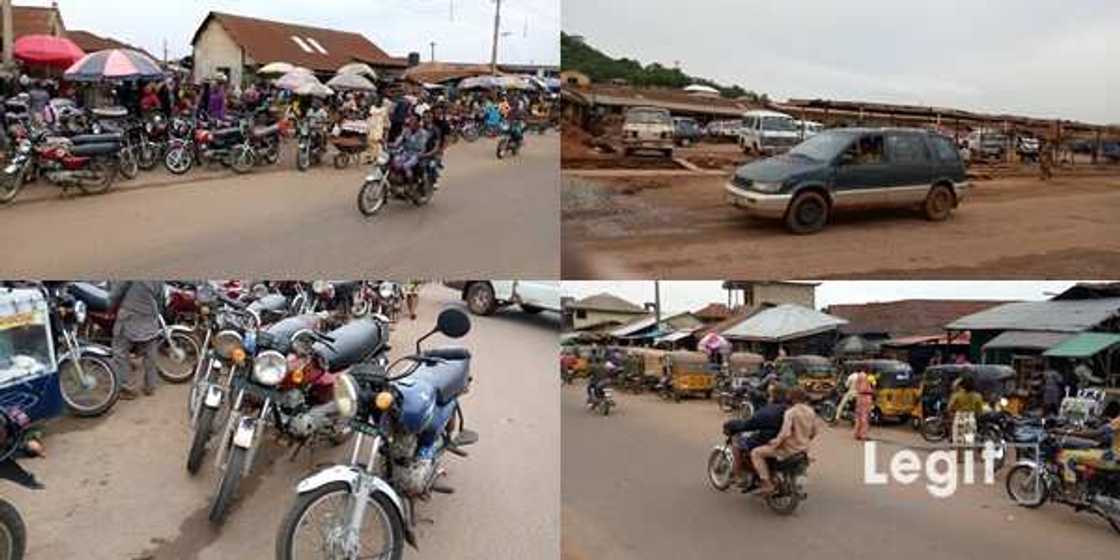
[
  {"x": 1083, "y": 345},
  {"x": 1027, "y": 340}
]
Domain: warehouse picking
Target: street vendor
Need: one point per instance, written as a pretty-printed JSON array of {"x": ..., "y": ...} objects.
[{"x": 377, "y": 119}]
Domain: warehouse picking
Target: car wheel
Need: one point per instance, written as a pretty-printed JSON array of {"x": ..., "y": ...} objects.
[
  {"x": 938, "y": 204},
  {"x": 808, "y": 213},
  {"x": 480, "y": 298}
]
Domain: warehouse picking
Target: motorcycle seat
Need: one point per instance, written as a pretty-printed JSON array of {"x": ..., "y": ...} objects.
[
  {"x": 226, "y": 132},
  {"x": 450, "y": 353},
  {"x": 1074, "y": 442},
  {"x": 97, "y": 138},
  {"x": 449, "y": 379},
  {"x": 82, "y": 150},
  {"x": 352, "y": 343},
  {"x": 791, "y": 461},
  {"x": 95, "y": 298},
  {"x": 270, "y": 302},
  {"x": 278, "y": 336},
  {"x": 269, "y": 130}
]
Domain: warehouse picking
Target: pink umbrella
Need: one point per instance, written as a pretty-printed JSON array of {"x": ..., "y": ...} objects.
[{"x": 46, "y": 49}]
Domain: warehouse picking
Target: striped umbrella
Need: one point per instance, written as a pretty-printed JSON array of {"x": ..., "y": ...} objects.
[{"x": 114, "y": 64}]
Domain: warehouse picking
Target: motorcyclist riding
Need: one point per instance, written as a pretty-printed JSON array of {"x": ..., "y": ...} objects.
[
  {"x": 414, "y": 140},
  {"x": 755, "y": 431}
]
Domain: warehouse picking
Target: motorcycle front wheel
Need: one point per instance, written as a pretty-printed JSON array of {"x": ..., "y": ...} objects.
[
  {"x": 148, "y": 157},
  {"x": 13, "y": 532},
  {"x": 92, "y": 393},
  {"x": 1025, "y": 486},
  {"x": 827, "y": 411},
  {"x": 176, "y": 360},
  {"x": 303, "y": 159},
  {"x": 178, "y": 160},
  {"x": 129, "y": 167},
  {"x": 10, "y": 185},
  {"x": 720, "y": 469},
  {"x": 243, "y": 160},
  {"x": 371, "y": 197},
  {"x": 231, "y": 479},
  {"x": 933, "y": 429},
  {"x": 502, "y": 147},
  {"x": 202, "y": 430},
  {"x": 319, "y": 518}
]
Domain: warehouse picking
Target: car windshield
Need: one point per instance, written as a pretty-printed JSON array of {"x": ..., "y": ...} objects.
[
  {"x": 647, "y": 117},
  {"x": 822, "y": 147},
  {"x": 778, "y": 123}
]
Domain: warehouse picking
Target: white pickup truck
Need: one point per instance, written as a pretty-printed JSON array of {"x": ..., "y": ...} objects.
[{"x": 484, "y": 297}]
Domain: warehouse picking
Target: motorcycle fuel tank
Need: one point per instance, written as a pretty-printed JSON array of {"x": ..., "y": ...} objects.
[{"x": 418, "y": 404}]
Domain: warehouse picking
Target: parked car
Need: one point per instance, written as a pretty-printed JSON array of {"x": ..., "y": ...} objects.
[
  {"x": 1027, "y": 148},
  {"x": 1110, "y": 151},
  {"x": 808, "y": 129},
  {"x": 484, "y": 297},
  {"x": 686, "y": 131},
  {"x": 647, "y": 128},
  {"x": 768, "y": 132},
  {"x": 853, "y": 167},
  {"x": 987, "y": 144},
  {"x": 718, "y": 130}
]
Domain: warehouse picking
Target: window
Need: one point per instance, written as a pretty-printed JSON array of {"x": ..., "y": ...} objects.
[
  {"x": 301, "y": 44},
  {"x": 907, "y": 148},
  {"x": 867, "y": 150},
  {"x": 944, "y": 148},
  {"x": 317, "y": 46},
  {"x": 581, "y": 314}
]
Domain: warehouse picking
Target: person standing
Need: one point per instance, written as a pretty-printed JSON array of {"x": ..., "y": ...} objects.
[
  {"x": 1045, "y": 160},
  {"x": 1052, "y": 382},
  {"x": 412, "y": 296},
  {"x": 865, "y": 398},
  {"x": 375, "y": 125},
  {"x": 850, "y": 393},
  {"x": 964, "y": 405},
  {"x": 138, "y": 305}
]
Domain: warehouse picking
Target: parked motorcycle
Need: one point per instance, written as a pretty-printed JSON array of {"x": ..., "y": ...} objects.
[
  {"x": 1033, "y": 482},
  {"x": 229, "y": 146},
  {"x": 88, "y": 162},
  {"x": 13, "y": 530},
  {"x": 86, "y": 379},
  {"x": 294, "y": 400},
  {"x": 788, "y": 476},
  {"x": 410, "y": 420},
  {"x": 265, "y": 140},
  {"x": 390, "y": 180},
  {"x": 743, "y": 397},
  {"x": 311, "y": 144}
]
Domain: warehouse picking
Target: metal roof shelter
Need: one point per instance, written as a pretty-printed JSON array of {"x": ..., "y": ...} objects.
[
  {"x": 1083, "y": 345},
  {"x": 1033, "y": 340},
  {"x": 1069, "y": 316},
  {"x": 783, "y": 322}
]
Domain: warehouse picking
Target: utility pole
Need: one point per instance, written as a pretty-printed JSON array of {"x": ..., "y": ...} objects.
[
  {"x": 657, "y": 303},
  {"x": 433, "y": 44},
  {"x": 494, "y": 47},
  {"x": 7, "y": 14}
]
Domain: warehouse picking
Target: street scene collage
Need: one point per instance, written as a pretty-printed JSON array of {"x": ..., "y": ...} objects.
[{"x": 559, "y": 279}]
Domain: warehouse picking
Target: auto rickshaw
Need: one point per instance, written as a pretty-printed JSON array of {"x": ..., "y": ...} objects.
[
  {"x": 897, "y": 389},
  {"x": 691, "y": 374},
  {"x": 745, "y": 364},
  {"x": 816, "y": 375},
  {"x": 993, "y": 382},
  {"x": 28, "y": 363}
]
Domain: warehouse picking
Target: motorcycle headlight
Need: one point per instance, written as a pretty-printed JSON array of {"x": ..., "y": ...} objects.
[
  {"x": 346, "y": 395},
  {"x": 80, "y": 311},
  {"x": 383, "y": 158},
  {"x": 226, "y": 343},
  {"x": 1003, "y": 402},
  {"x": 259, "y": 291},
  {"x": 269, "y": 367},
  {"x": 386, "y": 289}
]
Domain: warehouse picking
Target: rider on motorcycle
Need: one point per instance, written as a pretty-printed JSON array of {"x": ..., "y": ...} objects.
[
  {"x": 799, "y": 427},
  {"x": 758, "y": 429},
  {"x": 435, "y": 121},
  {"x": 599, "y": 379},
  {"x": 414, "y": 140}
]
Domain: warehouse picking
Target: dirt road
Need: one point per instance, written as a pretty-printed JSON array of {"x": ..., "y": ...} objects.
[
  {"x": 117, "y": 487},
  {"x": 679, "y": 227},
  {"x": 294, "y": 224},
  {"x": 634, "y": 486}
]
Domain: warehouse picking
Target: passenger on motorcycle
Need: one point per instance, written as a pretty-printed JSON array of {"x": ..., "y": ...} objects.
[
  {"x": 755, "y": 431},
  {"x": 414, "y": 141},
  {"x": 799, "y": 427}
]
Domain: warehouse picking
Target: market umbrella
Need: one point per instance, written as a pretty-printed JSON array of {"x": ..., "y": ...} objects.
[
  {"x": 296, "y": 78},
  {"x": 114, "y": 64},
  {"x": 276, "y": 68},
  {"x": 313, "y": 88},
  {"x": 46, "y": 49},
  {"x": 351, "y": 81},
  {"x": 477, "y": 82},
  {"x": 359, "y": 68}
]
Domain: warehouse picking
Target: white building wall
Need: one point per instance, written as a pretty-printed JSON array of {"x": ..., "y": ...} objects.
[{"x": 216, "y": 51}]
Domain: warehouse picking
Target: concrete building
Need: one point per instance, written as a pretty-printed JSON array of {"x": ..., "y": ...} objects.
[
  {"x": 235, "y": 46},
  {"x": 756, "y": 295},
  {"x": 601, "y": 310}
]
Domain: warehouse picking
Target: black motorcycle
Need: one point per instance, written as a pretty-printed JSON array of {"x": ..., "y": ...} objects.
[
  {"x": 743, "y": 396},
  {"x": 788, "y": 476},
  {"x": 311, "y": 144},
  {"x": 13, "y": 531}
]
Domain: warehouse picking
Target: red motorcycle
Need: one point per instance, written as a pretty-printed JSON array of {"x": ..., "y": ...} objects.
[{"x": 89, "y": 162}]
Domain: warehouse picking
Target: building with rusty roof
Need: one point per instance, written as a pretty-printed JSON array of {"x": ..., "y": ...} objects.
[
  {"x": 601, "y": 310},
  {"x": 236, "y": 46},
  {"x": 91, "y": 42},
  {"x": 35, "y": 20}
]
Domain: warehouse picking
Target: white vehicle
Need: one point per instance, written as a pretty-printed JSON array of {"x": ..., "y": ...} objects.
[
  {"x": 484, "y": 297},
  {"x": 808, "y": 129},
  {"x": 647, "y": 128},
  {"x": 768, "y": 132}
]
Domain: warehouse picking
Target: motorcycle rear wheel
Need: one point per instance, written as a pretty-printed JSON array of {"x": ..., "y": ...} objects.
[
  {"x": 502, "y": 147},
  {"x": 105, "y": 172},
  {"x": 13, "y": 532},
  {"x": 178, "y": 160},
  {"x": 243, "y": 160},
  {"x": 93, "y": 401},
  {"x": 933, "y": 429},
  {"x": 178, "y": 371},
  {"x": 380, "y": 513},
  {"x": 424, "y": 191},
  {"x": 786, "y": 499}
]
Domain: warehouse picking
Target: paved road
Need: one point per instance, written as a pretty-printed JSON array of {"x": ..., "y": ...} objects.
[
  {"x": 491, "y": 218},
  {"x": 634, "y": 486},
  {"x": 117, "y": 487},
  {"x": 1014, "y": 227}
]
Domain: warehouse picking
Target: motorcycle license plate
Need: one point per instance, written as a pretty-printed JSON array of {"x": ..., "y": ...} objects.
[
  {"x": 213, "y": 396},
  {"x": 243, "y": 437}
]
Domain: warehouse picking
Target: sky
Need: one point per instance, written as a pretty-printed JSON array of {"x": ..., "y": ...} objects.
[
  {"x": 679, "y": 296},
  {"x": 1027, "y": 57},
  {"x": 397, "y": 26}
]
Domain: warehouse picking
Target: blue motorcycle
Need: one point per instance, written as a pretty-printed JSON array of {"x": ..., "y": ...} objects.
[{"x": 410, "y": 419}]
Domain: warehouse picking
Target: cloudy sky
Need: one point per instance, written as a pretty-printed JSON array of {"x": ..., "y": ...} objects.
[
  {"x": 1033, "y": 57},
  {"x": 691, "y": 295},
  {"x": 397, "y": 26}
]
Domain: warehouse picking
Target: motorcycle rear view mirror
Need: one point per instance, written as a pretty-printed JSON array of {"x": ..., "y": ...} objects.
[{"x": 452, "y": 322}]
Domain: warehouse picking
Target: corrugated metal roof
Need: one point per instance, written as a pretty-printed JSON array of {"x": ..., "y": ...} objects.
[
  {"x": 784, "y": 322},
  {"x": 1058, "y": 316},
  {"x": 606, "y": 302},
  {"x": 1083, "y": 345},
  {"x": 674, "y": 336},
  {"x": 1034, "y": 340}
]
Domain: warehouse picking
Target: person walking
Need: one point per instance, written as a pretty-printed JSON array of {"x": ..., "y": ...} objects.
[
  {"x": 1052, "y": 390},
  {"x": 850, "y": 394},
  {"x": 138, "y": 305},
  {"x": 1045, "y": 160},
  {"x": 865, "y": 397}
]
